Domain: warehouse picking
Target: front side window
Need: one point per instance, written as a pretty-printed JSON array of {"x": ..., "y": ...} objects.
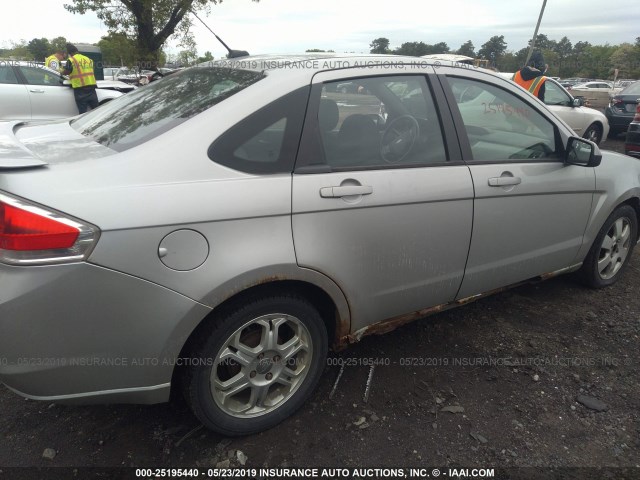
[
  {"x": 555, "y": 95},
  {"x": 500, "y": 126},
  {"x": 138, "y": 116},
  {"x": 379, "y": 122},
  {"x": 40, "y": 76}
]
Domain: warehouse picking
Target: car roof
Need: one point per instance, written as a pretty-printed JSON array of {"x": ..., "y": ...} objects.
[
  {"x": 27, "y": 63},
  {"x": 319, "y": 61}
]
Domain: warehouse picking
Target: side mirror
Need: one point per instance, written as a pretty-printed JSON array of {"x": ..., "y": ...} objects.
[
  {"x": 578, "y": 102},
  {"x": 582, "y": 152}
]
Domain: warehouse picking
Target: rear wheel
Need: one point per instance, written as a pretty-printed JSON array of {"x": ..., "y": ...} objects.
[
  {"x": 593, "y": 133},
  {"x": 612, "y": 249},
  {"x": 257, "y": 364}
]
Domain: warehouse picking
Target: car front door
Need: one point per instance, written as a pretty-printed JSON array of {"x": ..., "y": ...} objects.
[
  {"x": 49, "y": 97},
  {"x": 530, "y": 209},
  {"x": 382, "y": 203},
  {"x": 561, "y": 103},
  {"x": 14, "y": 98}
]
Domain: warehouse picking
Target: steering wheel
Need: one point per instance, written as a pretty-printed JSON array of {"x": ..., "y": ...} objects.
[
  {"x": 398, "y": 138},
  {"x": 540, "y": 150},
  {"x": 466, "y": 92}
]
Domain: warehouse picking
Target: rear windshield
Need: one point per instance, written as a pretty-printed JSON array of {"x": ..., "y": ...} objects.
[
  {"x": 151, "y": 110},
  {"x": 633, "y": 89}
]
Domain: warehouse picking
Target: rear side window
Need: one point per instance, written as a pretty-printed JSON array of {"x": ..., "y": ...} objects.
[
  {"x": 266, "y": 141},
  {"x": 149, "y": 111}
]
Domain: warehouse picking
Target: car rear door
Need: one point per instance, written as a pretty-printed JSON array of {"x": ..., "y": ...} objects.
[
  {"x": 50, "y": 99},
  {"x": 14, "y": 97},
  {"x": 382, "y": 202},
  {"x": 530, "y": 209}
]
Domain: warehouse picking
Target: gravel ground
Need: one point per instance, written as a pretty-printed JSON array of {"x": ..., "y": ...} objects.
[{"x": 542, "y": 375}]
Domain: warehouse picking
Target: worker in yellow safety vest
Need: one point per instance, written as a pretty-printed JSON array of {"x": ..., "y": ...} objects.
[
  {"x": 531, "y": 76},
  {"x": 83, "y": 80},
  {"x": 54, "y": 61}
]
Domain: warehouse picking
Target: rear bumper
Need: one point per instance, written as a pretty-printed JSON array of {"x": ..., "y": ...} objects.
[
  {"x": 632, "y": 144},
  {"x": 618, "y": 122},
  {"x": 81, "y": 333}
]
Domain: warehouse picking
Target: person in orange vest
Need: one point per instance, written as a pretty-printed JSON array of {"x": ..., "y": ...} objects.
[
  {"x": 531, "y": 77},
  {"x": 83, "y": 80}
]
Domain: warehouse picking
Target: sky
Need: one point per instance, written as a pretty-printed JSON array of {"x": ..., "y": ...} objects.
[{"x": 293, "y": 26}]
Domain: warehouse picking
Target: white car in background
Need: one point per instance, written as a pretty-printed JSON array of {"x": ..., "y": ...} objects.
[
  {"x": 29, "y": 91},
  {"x": 586, "y": 122},
  {"x": 596, "y": 86}
]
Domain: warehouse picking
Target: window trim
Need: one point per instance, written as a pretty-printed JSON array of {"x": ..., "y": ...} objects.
[{"x": 463, "y": 136}]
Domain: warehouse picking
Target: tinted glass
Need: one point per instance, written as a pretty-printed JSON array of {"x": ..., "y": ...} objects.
[
  {"x": 633, "y": 89},
  {"x": 7, "y": 75},
  {"x": 147, "y": 112},
  {"x": 555, "y": 95},
  {"x": 40, "y": 76},
  {"x": 501, "y": 126},
  {"x": 377, "y": 122},
  {"x": 267, "y": 140}
]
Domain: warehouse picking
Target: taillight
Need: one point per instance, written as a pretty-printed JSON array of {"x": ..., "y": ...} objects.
[
  {"x": 617, "y": 102},
  {"x": 33, "y": 235},
  {"x": 636, "y": 117}
]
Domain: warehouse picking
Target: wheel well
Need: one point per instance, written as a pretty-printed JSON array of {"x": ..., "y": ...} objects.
[
  {"x": 315, "y": 295},
  {"x": 635, "y": 203},
  {"x": 106, "y": 100}
]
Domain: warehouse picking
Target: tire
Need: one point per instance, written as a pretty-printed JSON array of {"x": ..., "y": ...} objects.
[
  {"x": 614, "y": 132},
  {"x": 612, "y": 249},
  {"x": 593, "y": 133},
  {"x": 242, "y": 384}
]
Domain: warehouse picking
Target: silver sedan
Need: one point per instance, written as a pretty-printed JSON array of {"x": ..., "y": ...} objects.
[{"x": 219, "y": 231}]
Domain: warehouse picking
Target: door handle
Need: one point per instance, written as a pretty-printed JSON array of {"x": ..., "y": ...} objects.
[
  {"x": 346, "y": 191},
  {"x": 504, "y": 181},
  {"x": 36, "y": 91}
]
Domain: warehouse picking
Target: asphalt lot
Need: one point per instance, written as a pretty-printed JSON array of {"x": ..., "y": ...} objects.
[{"x": 542, "y": 375}]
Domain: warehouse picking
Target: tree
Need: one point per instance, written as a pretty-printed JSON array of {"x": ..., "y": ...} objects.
[
  {"x": 493, "y": 49},
  {"x": 58, "y": 43},
  {"x": 543, "y": 43},
  {"x": 412, "y": 49},
  {"x": 380, "y": 45},
  {"x": 40, "y": 48},
  {"x": 467, "y": 49},
  {"x": 563, "y": 49},
  {"x": 418, "y": 49},
  {"x": 20, "y": 51},
  {"x": 187, "y": 57},
  {"x": 151, "y": 23},
  {"x": 626, "y": 58},
  {"x": 440, "y": 47},
  {"x": 118, "y": 49},
  {"x": 208, "y": 57}
]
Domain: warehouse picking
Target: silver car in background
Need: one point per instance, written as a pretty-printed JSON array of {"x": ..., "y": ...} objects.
[
  {"x": 29, "y": 91},
  {"x": 218, "y": 231}
]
